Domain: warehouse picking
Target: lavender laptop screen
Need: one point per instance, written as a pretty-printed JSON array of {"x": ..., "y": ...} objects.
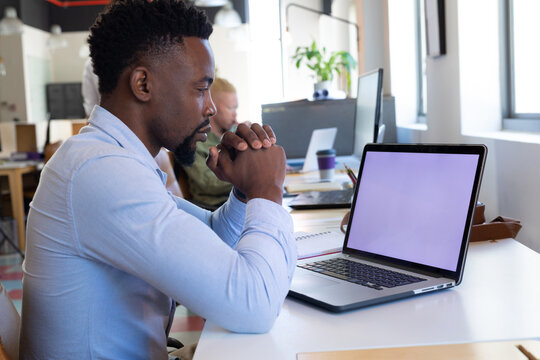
[{"x": 413, "y": 206}]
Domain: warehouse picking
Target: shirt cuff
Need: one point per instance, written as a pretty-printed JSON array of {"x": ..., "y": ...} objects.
[
  {"x": 236, "y": 209},
  {"x": 228, "y": 220},
  {"x": 266, "y": 211}
]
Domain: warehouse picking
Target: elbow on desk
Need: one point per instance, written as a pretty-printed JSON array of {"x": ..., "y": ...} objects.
[
  {"x": 253, "y": 313},
  {"x": 258, "y": 321},
  {"x": 255, "y": 291}
]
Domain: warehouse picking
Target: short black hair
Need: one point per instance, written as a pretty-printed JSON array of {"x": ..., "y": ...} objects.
[{"x": 128, "y": 30}]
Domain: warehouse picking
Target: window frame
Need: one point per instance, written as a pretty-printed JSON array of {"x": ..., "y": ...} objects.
[
  {"x": 419, "y": 54},
  {"x": 511, "y": 119}
]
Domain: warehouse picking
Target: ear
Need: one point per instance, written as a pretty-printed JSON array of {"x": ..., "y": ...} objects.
[{"x": 140, "y": 83}]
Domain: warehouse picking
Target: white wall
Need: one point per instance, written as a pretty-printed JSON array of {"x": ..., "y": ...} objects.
[
  {"x": 67, "y": 64},
  {"x": 232, "y": 62},
  {"x": 30, "y": 66},
  {"x": 12, "y": 90},
  {"x": 373, "y": 35}
]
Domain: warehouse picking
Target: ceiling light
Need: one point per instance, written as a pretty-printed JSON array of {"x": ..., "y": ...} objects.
[
  {"x": 210, "y": 3},
  {"x": 227, "y": 16},
  {"x": 10, "y": 24},
  {"x": 56, "y": 40}
]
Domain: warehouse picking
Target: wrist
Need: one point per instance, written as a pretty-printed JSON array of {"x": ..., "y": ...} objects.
[{"x": 272, "y": 193}]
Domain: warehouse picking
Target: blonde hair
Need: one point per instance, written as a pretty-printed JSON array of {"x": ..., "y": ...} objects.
[{"x": 221, "y": 85}]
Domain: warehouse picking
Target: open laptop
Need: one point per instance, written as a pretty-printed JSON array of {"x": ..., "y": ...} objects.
[
  {"x": 333, "y": 199},
  {"x": 320, "y": 139},
  {"x": 408, "y": 230}
]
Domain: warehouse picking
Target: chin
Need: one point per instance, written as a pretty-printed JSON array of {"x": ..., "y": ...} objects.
[{"x": 185, "y": 155}]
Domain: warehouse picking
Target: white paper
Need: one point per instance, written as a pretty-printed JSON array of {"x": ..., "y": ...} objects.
[{"x": 312, "y": 244}]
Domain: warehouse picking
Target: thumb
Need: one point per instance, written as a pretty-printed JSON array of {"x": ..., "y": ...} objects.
[
  {"x": 212, "y": 159},
  {"x": 225, "y": 163},
  {"x": 219, "y": 162}
]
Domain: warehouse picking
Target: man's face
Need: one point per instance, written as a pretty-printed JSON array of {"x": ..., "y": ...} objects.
[
  {"x": 181, "y": 102},
  {"x": 226, "y": 105}
]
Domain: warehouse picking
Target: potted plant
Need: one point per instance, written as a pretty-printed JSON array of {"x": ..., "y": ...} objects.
[{"x": 324, "y": 65}]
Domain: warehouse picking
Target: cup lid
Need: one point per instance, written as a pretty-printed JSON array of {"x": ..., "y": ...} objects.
[{"x": 326, "y": 152}]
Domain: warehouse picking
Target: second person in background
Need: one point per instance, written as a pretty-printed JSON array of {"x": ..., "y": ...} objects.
[{"x": 206, "y": 189}]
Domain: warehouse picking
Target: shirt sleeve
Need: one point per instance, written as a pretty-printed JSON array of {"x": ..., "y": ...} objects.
[
  {"x": 136, "y": 227},
  {"x": 227, "y": 221}
]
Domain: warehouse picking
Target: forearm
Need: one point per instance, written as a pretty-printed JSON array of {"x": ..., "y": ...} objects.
[{"x": 227, "y": 221}]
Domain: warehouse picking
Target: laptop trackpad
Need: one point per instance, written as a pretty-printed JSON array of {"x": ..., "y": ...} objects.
[{"x": 308, "y": 282}]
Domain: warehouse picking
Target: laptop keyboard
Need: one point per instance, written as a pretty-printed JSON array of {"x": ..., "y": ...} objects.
[{"x": 362, "y": 274}]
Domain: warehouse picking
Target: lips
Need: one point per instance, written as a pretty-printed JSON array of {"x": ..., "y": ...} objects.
[
  {"x": 201, "y": 134},
  {"x": 205, "y": 129}
]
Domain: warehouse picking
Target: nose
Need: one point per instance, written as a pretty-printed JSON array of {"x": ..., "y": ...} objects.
[{"x": 210, "y": 107}]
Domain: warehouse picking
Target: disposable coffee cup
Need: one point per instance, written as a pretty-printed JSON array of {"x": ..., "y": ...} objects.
[{"x": 327, "y": 162}]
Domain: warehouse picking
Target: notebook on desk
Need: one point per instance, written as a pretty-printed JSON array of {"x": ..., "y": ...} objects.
[
  {"x": 408, "y": 230},
  {"x": 494, "y": 350}
]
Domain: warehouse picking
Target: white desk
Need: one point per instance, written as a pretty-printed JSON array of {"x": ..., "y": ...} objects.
[{"x": 498, "y": 299}]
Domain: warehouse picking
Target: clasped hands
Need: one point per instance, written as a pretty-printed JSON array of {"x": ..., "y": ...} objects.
[{"x": 250, "y": 160}]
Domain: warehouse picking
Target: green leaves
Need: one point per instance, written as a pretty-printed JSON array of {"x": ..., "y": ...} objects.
[{"x": 324, "y": 67}]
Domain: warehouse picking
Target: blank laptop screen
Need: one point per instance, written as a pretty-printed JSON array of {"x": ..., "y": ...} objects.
[{"x": 413, "y": 206}]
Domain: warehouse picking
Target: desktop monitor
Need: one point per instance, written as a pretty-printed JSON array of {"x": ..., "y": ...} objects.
[
  {"x": 64, "y": 101},
  {"x": 293, "y": 123},
  {"x": 368, "y": 110}
]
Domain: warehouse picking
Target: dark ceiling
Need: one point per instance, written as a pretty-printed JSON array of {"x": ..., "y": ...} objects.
[{"x": 42, "y": 14}]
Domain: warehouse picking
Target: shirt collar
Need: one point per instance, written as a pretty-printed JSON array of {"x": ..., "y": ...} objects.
[{"x": 122, "y": 134}]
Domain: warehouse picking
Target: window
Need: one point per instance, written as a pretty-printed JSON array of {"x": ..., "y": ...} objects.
[
  {"x": 408, "y": 60},
  {"x": 421, "y": 63},
  {"x": 522, "y": 65}
]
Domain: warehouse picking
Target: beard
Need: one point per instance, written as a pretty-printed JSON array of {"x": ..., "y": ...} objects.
[{"x": 184, "y": 153}]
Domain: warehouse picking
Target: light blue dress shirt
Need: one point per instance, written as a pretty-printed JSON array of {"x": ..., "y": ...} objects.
[{"x": 109, "y": 250}]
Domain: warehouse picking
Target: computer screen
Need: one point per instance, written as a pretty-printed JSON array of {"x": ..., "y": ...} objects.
[
  {"x": 413, "y": 206},
  {"x": 368, "y": 110},
  {"x": 64, "y": 101},
  {"x": 294, "y": 121}
]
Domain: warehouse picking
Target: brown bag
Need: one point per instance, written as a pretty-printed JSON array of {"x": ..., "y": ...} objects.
[{"x": 499, "y": 228}]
